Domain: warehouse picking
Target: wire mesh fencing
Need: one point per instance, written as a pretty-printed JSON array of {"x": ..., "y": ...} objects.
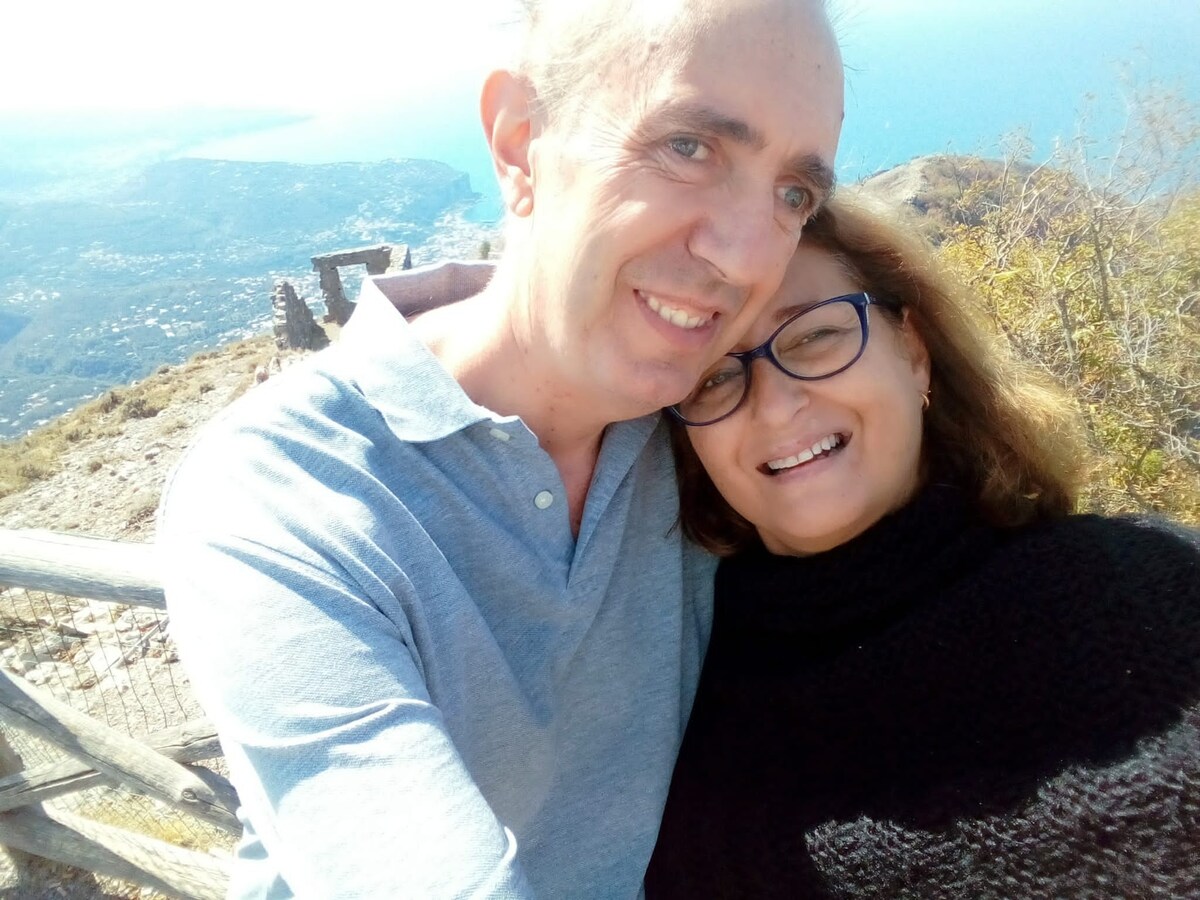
[{"x": 116, "y": 664}]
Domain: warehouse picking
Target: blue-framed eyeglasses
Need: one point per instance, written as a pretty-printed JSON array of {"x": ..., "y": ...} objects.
[{"x": 818, "y": 342}]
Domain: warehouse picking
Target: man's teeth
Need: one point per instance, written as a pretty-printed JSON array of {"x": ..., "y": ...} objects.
[
  {"x": 823, "y": 445},
  {"x": 676, "y": 317}
]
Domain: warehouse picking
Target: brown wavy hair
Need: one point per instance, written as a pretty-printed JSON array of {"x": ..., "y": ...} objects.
[{"x": 994, "y": 427}]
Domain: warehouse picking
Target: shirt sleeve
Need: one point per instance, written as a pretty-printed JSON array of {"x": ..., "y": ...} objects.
[{"x": 343, "y": 764}]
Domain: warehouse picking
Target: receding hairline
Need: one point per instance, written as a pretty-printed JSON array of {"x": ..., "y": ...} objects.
[{"x": 566, "y": 43}]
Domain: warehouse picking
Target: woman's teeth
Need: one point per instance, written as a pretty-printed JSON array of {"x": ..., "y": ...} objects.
[
  {"x": 676, "y": 317},
  {"x": 824, "y": 445}
]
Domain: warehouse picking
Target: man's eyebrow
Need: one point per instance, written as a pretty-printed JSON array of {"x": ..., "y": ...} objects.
[
  {"x": 817, "y": 172},
  {"x": 704, "y": 120}
]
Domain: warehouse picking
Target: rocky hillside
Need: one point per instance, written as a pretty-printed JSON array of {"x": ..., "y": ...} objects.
[
  {"x": 110, "y": 467},
  {"x": 931, "y": 188}
]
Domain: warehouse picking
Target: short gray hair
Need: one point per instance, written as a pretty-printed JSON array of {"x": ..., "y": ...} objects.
[{"x": 568, "y": 46}]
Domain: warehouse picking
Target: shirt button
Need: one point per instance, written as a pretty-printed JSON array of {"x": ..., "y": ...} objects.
[
  {"x": 499, "y": 435},
  {"x": 543, "y": 499}
]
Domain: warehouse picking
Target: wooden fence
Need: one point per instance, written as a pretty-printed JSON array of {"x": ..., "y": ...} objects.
[{"x": 159, "y": 765}]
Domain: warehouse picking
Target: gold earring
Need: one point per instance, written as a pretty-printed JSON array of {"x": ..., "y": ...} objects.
[{"x": 925, "y": 400}]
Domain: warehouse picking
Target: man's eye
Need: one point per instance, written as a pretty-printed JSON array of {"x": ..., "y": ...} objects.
[
  {"x": 689, "y": 148},
  {"x": 795, "y": 197}
]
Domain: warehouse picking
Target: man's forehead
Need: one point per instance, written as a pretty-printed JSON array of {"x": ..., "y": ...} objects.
[
  {"x": 657, "y": 19},
  {"x": 752, "y": 72},
  {"x": 713, "y": 41}
]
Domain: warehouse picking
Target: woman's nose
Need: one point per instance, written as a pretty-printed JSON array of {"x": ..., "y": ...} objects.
[{"x": 775, "y": 395}]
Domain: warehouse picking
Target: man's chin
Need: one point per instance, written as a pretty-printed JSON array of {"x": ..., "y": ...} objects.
[{"x": 640, "y": 387}]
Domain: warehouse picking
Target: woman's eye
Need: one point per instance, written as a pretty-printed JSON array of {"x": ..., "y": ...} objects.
[
  {"x": 719, "y": 378},
  {"x": 689, "y": 148},
  {"x": 798, "y": 343},
  {"x": 795, "y": 197},
  {"x": 819, "y": 334}
]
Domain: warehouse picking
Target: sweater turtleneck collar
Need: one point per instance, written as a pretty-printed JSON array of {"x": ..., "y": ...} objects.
[{"x": 871, "y": 578}]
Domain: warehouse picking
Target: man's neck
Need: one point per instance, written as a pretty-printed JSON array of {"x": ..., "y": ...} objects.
[{"x": 473, "y": 339}]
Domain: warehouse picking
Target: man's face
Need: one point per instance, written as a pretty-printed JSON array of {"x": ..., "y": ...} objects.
[{"x": 666, "y": 208}]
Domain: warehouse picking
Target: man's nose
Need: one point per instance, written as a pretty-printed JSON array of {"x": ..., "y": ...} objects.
[{"x": 741, "y": 237}]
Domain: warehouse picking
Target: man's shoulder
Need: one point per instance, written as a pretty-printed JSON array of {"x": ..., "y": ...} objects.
[{"x": 311, "y": 394}]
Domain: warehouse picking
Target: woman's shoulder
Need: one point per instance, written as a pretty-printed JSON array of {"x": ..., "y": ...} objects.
[
  {"x": 1113, "y": 552},
  {"x": 1141, "y": 528},
  {"x": 1117, "y": 597}
]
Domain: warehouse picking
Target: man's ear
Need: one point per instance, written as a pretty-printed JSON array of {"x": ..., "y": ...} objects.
[{"x": 507, "y": 111}]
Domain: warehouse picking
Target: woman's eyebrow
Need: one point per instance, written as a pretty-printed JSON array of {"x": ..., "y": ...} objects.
[{"x": 793, "y": 309}]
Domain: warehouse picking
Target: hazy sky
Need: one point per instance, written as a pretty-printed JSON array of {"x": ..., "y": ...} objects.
[
  {"x": 922, "y": 75},
  {"x": 150, "y": 54}
]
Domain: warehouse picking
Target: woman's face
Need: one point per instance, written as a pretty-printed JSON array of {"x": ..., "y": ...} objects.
[{"x": 871, "y": 412}]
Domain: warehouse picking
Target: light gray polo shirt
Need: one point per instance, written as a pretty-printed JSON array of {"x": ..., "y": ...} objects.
[{"x": 425, "y": 685}]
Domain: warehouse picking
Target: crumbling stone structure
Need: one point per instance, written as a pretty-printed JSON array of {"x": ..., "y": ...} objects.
[
  {"x": 377, "y": 259},
  {"x": 295, "y": 327}
]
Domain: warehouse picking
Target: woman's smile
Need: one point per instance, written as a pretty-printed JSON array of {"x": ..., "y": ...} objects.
[{"x": 822, "y": 449}]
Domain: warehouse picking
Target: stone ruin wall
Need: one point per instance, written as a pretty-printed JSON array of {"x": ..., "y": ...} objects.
[{"x": 295, "y": 326}]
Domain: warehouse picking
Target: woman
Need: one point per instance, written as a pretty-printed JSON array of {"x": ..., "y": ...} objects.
[{"x": 926, "y": 678}]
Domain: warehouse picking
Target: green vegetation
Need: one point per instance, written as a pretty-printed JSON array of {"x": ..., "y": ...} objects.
[{"x": 1091, "y": 269}]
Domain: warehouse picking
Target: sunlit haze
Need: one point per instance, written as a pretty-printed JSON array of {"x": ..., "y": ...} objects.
[
  {"x": 374, "y": 80},
  {"x": 148, "y": 55}
]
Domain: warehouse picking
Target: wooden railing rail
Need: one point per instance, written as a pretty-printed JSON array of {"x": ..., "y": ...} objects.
[
  {"x": 80, "y": 567},
  {"x": 190, "y": 743}
]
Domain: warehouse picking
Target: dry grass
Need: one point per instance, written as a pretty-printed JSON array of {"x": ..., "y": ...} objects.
[{"x": 38, "y": 454}]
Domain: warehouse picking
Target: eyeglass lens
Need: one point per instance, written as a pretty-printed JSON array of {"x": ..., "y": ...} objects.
[{"x": 812, "y": 345}]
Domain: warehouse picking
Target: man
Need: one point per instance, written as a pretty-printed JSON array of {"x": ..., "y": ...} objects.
[{"x": 427, "y": 589}]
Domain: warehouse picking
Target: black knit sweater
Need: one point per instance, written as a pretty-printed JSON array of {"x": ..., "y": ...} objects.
[{"x": 943, "y": 709}]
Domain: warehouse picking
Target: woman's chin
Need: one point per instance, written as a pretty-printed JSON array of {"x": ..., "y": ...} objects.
[
  {"x": 811, "y": 542},
  {"x": 807, "y": 539}
]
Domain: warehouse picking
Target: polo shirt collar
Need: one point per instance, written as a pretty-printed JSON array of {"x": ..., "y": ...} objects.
[
  {"x": 396, "y": 373},
  {"x": 399, "y": 376}
]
